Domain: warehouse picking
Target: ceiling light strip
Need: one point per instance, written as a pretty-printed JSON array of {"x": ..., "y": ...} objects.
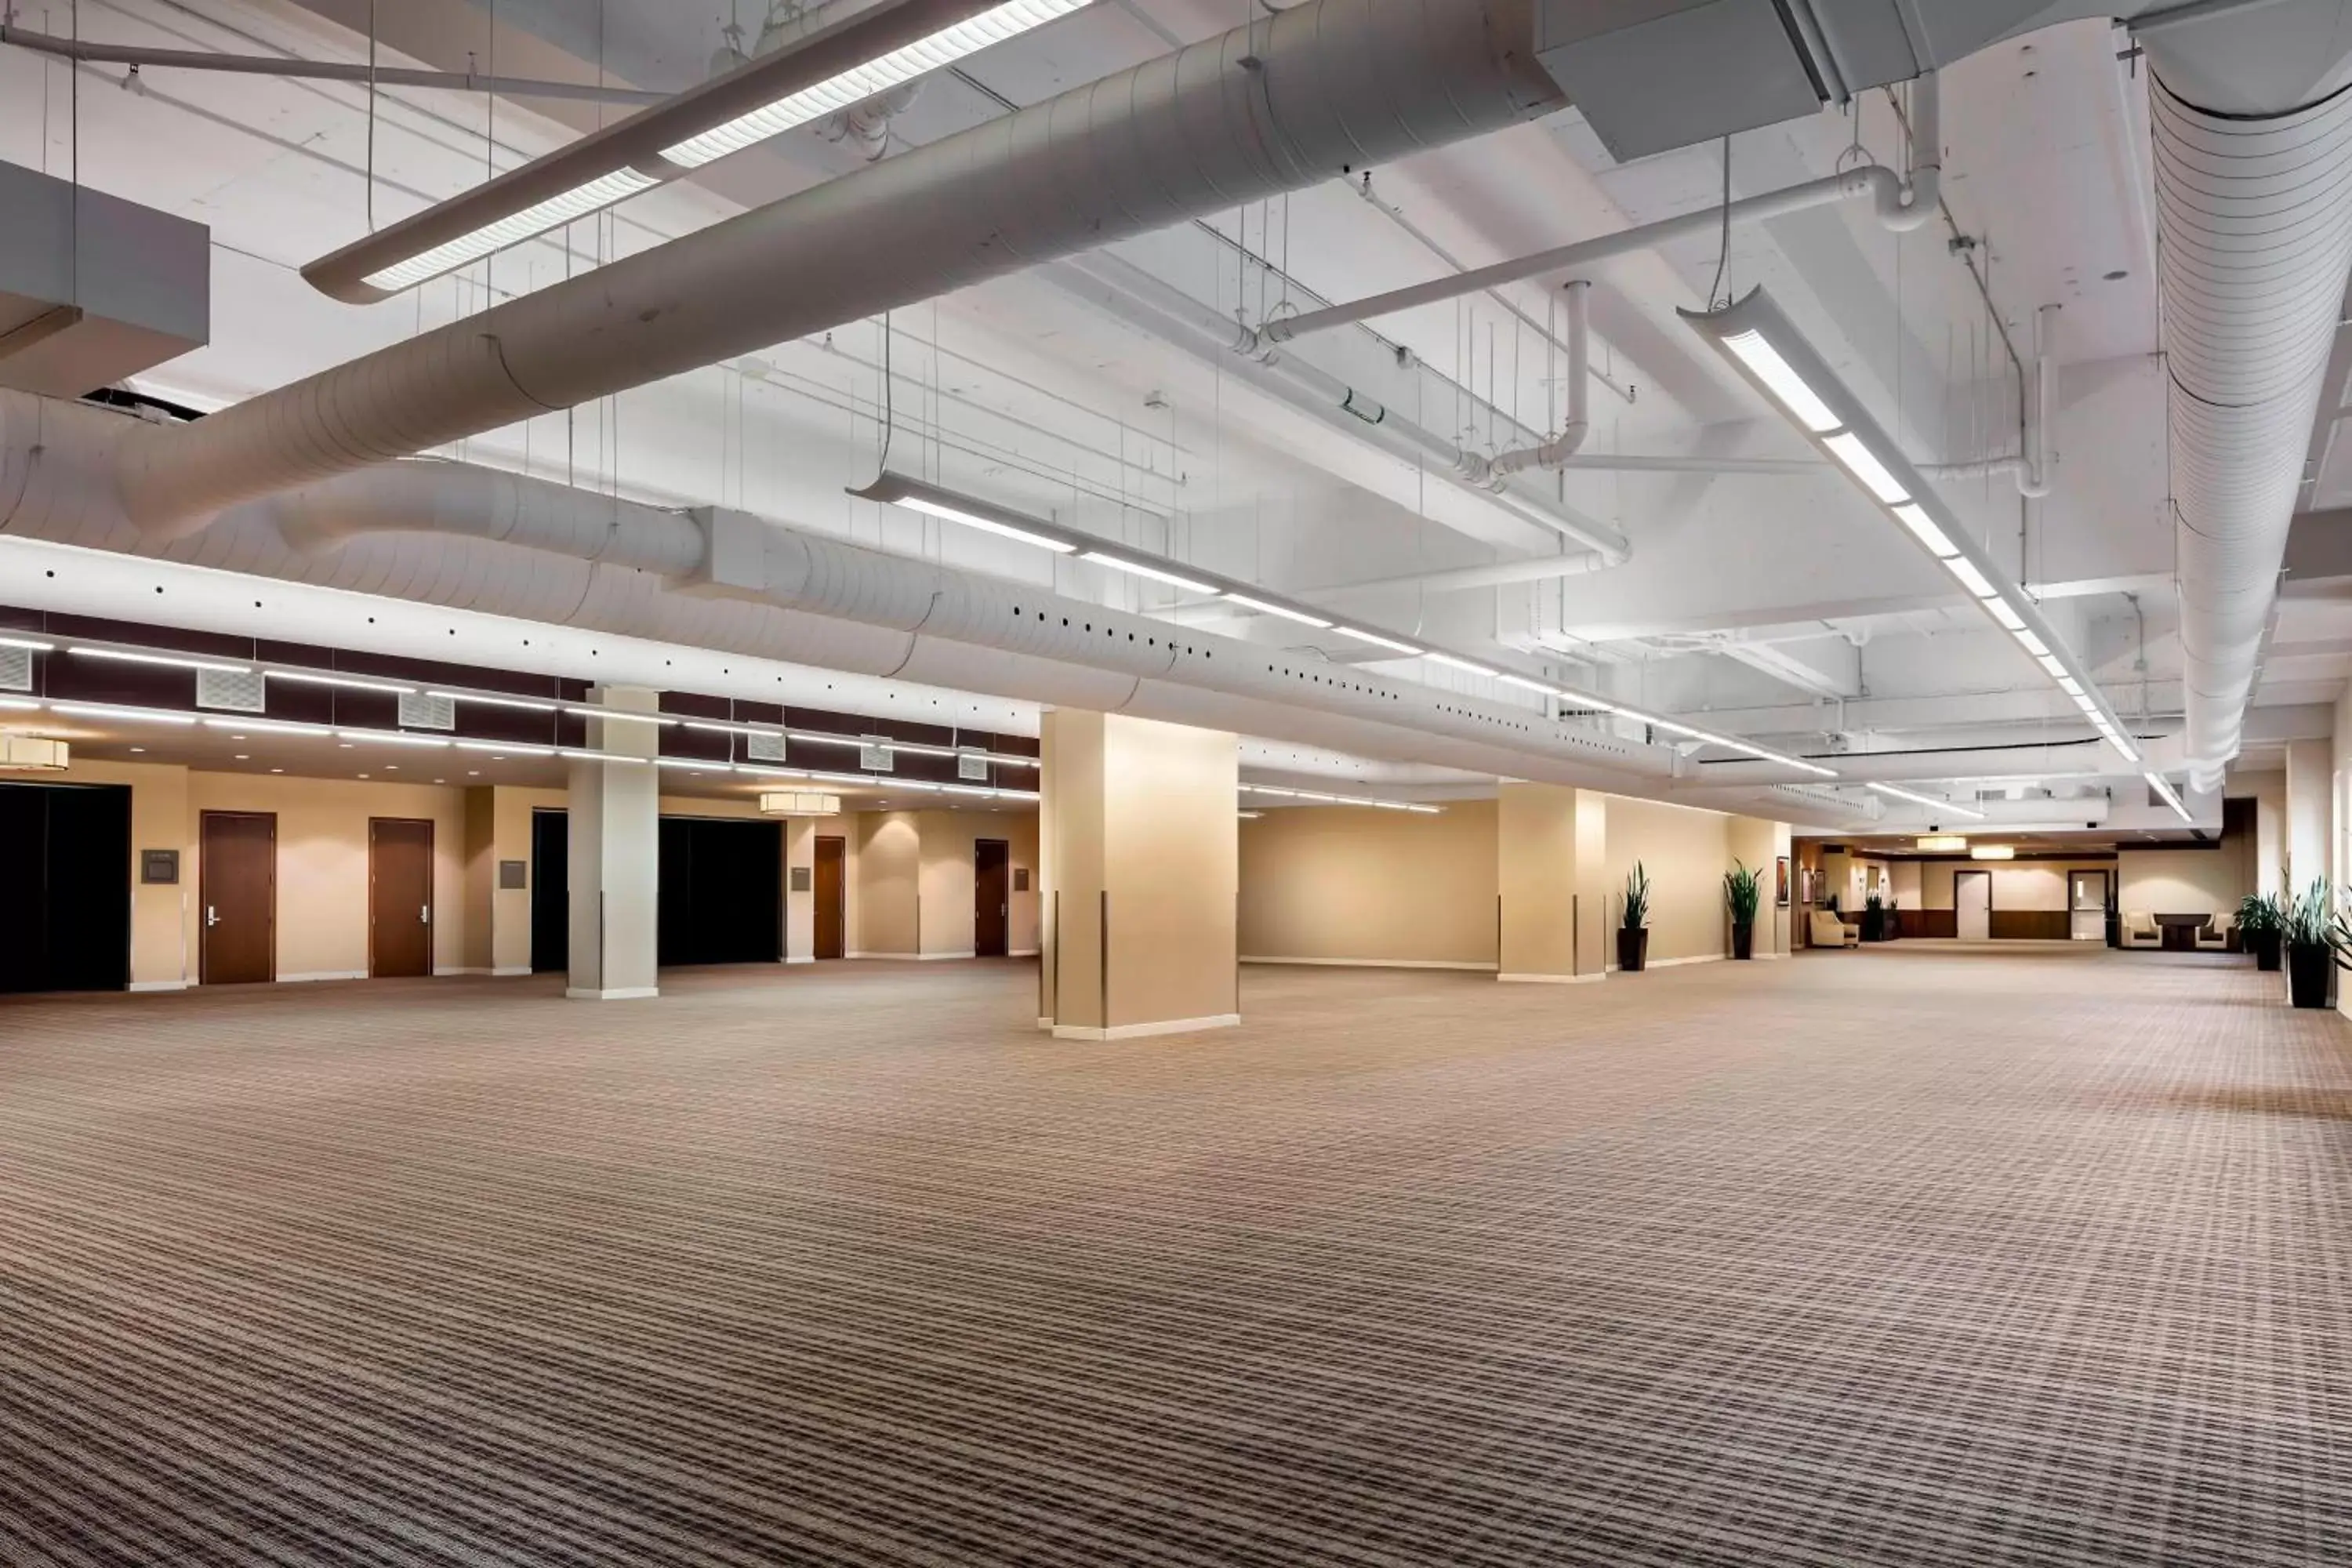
[
  {"x": 1929, "y": 800},
  {"x": 1756, "y": 337}
]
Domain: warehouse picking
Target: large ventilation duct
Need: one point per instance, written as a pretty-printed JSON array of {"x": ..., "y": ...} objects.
[
  {"x": 2254, "y": 206},
  {"x": 455, "y": 535},
  {"x": 1277, "y": 105}
]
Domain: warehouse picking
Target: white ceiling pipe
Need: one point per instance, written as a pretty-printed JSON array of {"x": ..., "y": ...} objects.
[
  {"x": 1144, "y": 301},
  {"x": 1900, "y": 204},
  {"x": 1277, "y": 105},
  {"x": 2256, "y": 220},
  {"x": 1556, "y": 452},
  {"x": 442, "y": 533}
]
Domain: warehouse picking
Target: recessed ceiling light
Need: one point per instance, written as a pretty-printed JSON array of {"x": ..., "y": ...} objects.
[
  {"x": 363, "y": 776},
  {"x": 278, "y": 770},
  {"x": 138, "y": 748},
  {"x": 243, "y": 758}
]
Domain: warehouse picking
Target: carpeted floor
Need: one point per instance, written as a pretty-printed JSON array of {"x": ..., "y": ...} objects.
[{"x": 1893, "y": 1257}]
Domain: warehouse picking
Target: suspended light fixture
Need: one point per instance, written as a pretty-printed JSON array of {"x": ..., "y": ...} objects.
[
  {"x": 33, "y": 754},
  {"x": 1759, "y": 339},
  {"x": 824, "y": 72},
  {"x": 798, "y": 802},
  {"x": 1993, "y": 852},
  {"x": 2170, "y": 797},
  {"x": 1941, "y": 843},
  {"x": 1929, "y": 800}
]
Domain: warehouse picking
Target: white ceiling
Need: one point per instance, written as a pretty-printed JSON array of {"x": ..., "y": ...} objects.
[{"x": 1783, "y": 605}]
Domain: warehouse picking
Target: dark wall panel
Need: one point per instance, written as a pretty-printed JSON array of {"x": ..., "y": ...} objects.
[
  {"x": 2031, "y": 925},
  {"x": 550, "y": 891}
]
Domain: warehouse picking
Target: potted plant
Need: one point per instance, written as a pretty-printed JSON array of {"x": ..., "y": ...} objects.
[
  {"x": 1873, "y": 919},
  {"x": 2259, "y": 922},
  {"x": 1633, "y": 929},
  {"x": 1890, "y": 924},
  {"x": 1743, "y": 890},
  {"x": 2310, "y": 935}
]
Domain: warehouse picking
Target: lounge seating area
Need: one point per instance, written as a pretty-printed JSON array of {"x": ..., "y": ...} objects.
[
  {"x": 2140, "y": 930},
  {"x": 2182, "y": 932},
  {"x": 1828, "y": 930}
]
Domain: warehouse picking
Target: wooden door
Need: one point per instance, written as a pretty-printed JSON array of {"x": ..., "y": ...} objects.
[
  {"x": 832, "y": 910},
  {"x": 992, "y": 896},
  {"x": 400, "y": 897},
  {"x": 237, "y": 891}
]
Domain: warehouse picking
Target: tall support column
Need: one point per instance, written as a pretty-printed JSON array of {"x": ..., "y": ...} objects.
[
  {"x": 1551, "y": 843},
  {"x": 614, "y": 862},
  {"x": 2309, "y": 780},
  {"x": 1762, "y": 845},
  {"x": 1138, "y": 841}
]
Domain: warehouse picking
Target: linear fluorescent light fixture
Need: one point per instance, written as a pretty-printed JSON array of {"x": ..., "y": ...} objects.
[
  {"x": 1993, "y": 852},
  {"x": 892, "y": 489},
  {"x": 1138, "y": 569},
  {"x": 1929, "y": 800},
  {"x": 31, "y": 644},
  {"x": 1467, "y": 665},
  {"x": 525, "y": 703},
  {"x": 108, "y": 710},
  {"x": 2170, "y": 797},
  {"x": 341, "y": 682},
  {"x": 1380, "y": 639},
  {"x": 821, "y": 73},
  {"x": 1753, "y": 334},
  {"x": 174, "y": 661},
  {"x": 1269, "y": 607}
]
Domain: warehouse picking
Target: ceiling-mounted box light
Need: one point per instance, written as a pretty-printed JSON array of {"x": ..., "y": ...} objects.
[
  {"x": 799, "y": 803},
  {"x": 1753, "y": 334},
  {"x": 32, "y": 754},
  {"x": 1993, "y": 852},
  {"x": 1940, "y": 843},
  {"x": 830, "y": 69}
]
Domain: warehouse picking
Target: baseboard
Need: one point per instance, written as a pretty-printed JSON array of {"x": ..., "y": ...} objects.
[
  {"x": 1024, "y": 953},
  {"x": 1374, "y": 963},
  {"x": 1138, "y": 1031},
  {"x": 1762, "y": 957},
  {"x": 324, "y": 974},
  {"x": 800, "y": 958},
  {"x": 1551, "y": 979},
  {"x": 1696, "y": 958},
  {"x": 1044, "y": 1022},
  {"x": 159, "y": 985},
  {"x": 618, "y": 993},
  {"x": 915, "y": 957},
  {"x": 507, "y": 971}
]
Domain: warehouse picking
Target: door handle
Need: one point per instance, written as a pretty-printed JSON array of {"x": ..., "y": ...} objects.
[
  {"x": 212, "y": 916},
  {"x": 424, "y": 914}
]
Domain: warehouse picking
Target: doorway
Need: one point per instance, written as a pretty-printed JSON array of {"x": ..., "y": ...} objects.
[
  {"x": 992, "y": 897},
  {"x": 1972, "y": 905},
  {"x": 2086, "y": 906},
  {"x": 550, "y": 890},
  {"x": 237, "y": 887},
  {"x": 400, "y": 898},
  {"x": 65, "y": 924},
  {"x": 721, "y": 891},
  {"x": 831, "y": 913}
]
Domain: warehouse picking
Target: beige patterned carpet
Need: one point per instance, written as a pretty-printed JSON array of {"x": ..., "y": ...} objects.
[{"x": 1891, "y": 1257}]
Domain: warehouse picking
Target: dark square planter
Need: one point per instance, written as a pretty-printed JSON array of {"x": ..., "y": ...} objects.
[{"x": 1633, "y": 949}]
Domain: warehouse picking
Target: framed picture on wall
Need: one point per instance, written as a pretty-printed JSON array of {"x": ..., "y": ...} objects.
[{"x": 1781, "y": 882}]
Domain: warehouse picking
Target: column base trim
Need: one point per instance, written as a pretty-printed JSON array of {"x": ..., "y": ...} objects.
[
  {"x": 1136, "y": 1031},
  {"x": 323, "y": 974},
  {"x": 508, "y": 971},
  {"x": 1677, "y": 963},
  {"x": 1551, "y": 979},
  {"x": 1375, "y": 962},
  {"x": 617, "y": 994},
  {"x": 913, "y": 957},
  {"x": 160, "y": 984},
  {"x": 1024, "y": 953},
  {"x": 799, "y": 958}
]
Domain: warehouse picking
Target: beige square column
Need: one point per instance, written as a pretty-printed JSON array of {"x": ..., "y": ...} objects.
[
  {"x": 1551, "y": 844},
  {"x": 1760, "y": 843},
  {"x": 614, "y": 806},
  {"x": 1139, "y": 851}
]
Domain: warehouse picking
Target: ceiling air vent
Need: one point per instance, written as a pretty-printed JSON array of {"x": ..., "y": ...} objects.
[
  {"x": 15, "y": 669},
  {"x": 233, "y": 690},
  {"x": 764, "y": 748},
  {"x": 972, "y": 765},
  {"x": 424, "y": 710}
]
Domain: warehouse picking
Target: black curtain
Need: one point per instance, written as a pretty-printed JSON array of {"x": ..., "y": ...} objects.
[
  {"x": 68, "y": 928},
  {"x": 722, "y": 896}
]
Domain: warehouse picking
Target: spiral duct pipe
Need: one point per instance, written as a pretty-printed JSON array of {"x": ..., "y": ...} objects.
[{"x": 2255, "y": 214}]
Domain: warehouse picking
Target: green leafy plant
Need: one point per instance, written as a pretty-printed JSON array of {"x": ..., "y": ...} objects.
[
  {"x": 2311, "y": 917},
  {"x": 1743, "y": 890},
  {"x": 2261, "y": 914},
  {"x": 1637, "y": 899}
]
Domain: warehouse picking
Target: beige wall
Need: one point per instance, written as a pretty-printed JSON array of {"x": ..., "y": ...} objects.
[
  {"x": 2016, "y": 884},
  {"x": 1337, "y": 884},
  {"x": 2179, "y": 881},
  {"x": 1686, "y": 852},
  {"x": 1552, "y": 849}
]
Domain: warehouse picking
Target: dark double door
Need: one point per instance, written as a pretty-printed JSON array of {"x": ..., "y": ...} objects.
[
  {"x": 720, "y": 895},
  {"x": 64, "y": 921}
]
